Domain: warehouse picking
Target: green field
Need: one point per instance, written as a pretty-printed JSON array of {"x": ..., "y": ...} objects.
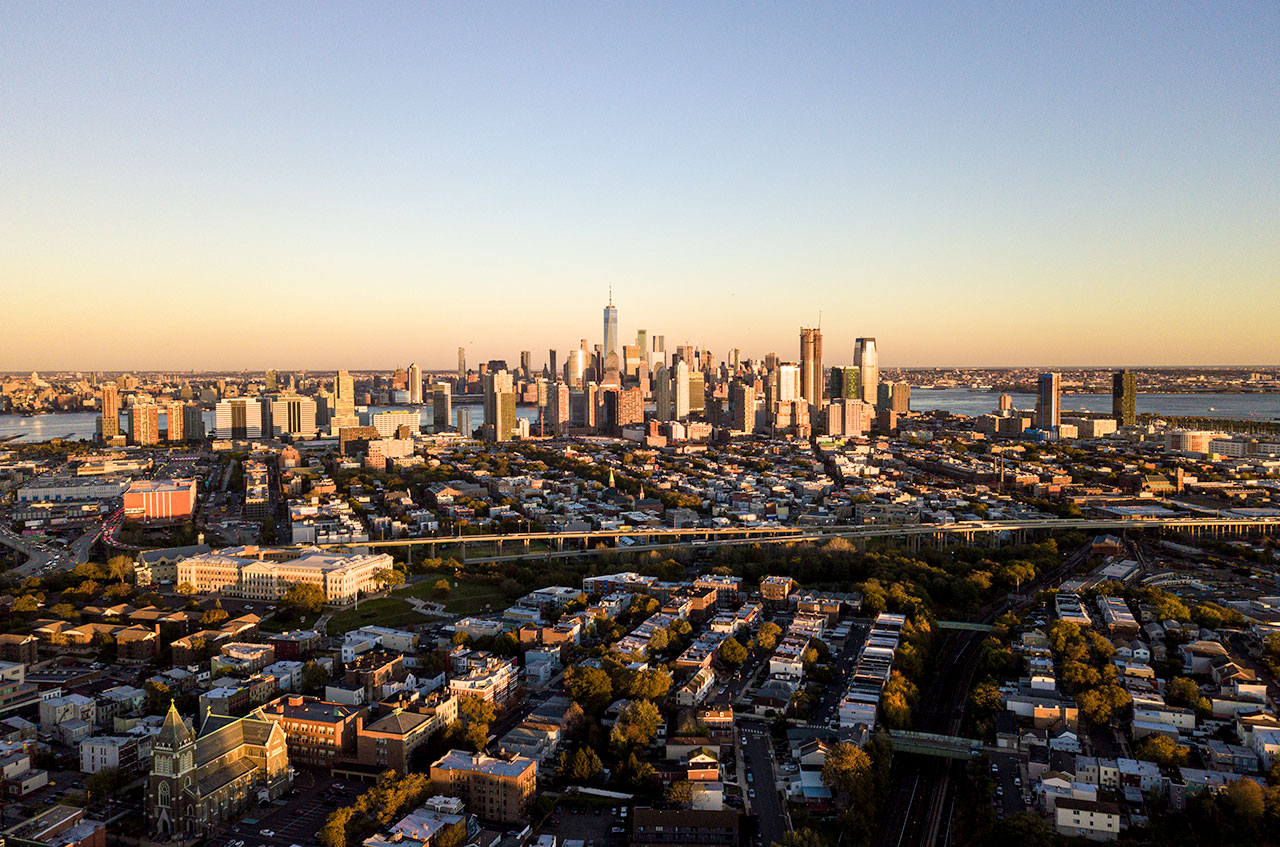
[
  {"x": 466, "y": 598},
  {"x": 384, "y": 611}
]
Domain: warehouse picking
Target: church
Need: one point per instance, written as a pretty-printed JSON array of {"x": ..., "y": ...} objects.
[{"x": 198, "y": 783}]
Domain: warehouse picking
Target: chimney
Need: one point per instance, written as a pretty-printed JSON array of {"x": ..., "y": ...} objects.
[{"x": 295, "y": 700}]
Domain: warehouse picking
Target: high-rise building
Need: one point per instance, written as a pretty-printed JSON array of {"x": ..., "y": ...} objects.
[
  {"x": 270, "y": 381},
  {"x": 1006, "y": 403},
  {"x": 293, "y": 416},
  {"x": 240, "y": 418},
  {"x": 867, "y": 359},
  {"x": 192, "y": 422},
  {"x": 610, "y": 329},
  {"x": 1049, "y": 401},
  {"x": 697, "y": 392},
  {"x": 1124, "y": 397},
  {"x": 110, "y": 423},
  {"x": 680, "y": 390},
  {"x": 576, "y": 367},
  {"x": 462, "y": 369},
  {"x": 441, "y": 401},
  {"x": 744, "y": 407},
  {"x": 788, "y": 383},
  {"x": 415, "y": 385},
  {"x": 846, "y": 382},
  {"x": 657, "y": 351},
  {"x": 630, "y": 407},
  {"x": 144, "y": 424},
  {"x": 662, "y": 393},
  {"x": 344, "y": 403},
  {"x": 551, "y": 365},
  {"x": 811, "y": 366},
  {"x": 174, "y": 421},
  {"x": 526, "y": 364},
  {"x": 499, "y": 405},
  {"x": 463, "y": 415},
  {"x": 642, "y": 344},
  {"x": 558, "y": 409}
]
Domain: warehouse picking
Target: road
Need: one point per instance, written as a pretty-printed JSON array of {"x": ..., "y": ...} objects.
[{"x": 756, "y": 758}]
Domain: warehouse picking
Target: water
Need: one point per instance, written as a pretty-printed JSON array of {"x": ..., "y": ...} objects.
[
  {"x": 1240, "y": 407},
  {"x": 83, "y": 426}
]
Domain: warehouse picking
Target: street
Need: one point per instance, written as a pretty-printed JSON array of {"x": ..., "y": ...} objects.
[{"x": 757, "y": 762}]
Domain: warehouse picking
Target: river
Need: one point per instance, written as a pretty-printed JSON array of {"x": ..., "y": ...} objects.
[{"x": 82, "y": 426}]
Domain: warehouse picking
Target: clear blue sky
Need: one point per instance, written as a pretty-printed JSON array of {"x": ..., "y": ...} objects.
[{"x": 316, "y": 185}]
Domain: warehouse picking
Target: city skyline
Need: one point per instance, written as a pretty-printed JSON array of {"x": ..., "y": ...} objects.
[{"x": 1092, "y": 185}]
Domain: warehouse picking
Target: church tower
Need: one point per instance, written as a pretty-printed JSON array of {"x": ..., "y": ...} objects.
[{"x": 170, "y": 803}]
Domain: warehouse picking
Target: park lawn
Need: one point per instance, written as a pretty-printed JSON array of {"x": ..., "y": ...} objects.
[
  {"x": 466, "y": 598},
  {"x": 383, "y": 611}
]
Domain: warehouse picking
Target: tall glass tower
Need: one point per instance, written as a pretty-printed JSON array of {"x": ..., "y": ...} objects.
[
  {"x": 610, "y": 328},
  {"x": 1124, "y": 398},
  {"x": 867, "y": 360},
  {"x": 1049, "y": 401}
]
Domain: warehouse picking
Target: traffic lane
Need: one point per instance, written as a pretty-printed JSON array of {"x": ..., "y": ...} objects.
[
  {"x": 765, "y": 806},
  {"x": 1006, "y": 777}
]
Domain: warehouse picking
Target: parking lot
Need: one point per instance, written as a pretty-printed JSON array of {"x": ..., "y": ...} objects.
[
  {"x": 297, "y": 819},
  {"x": 594, "y": 824}
]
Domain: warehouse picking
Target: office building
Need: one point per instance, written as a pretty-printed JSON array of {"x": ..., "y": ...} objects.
[
  {"x": 239, "y": 418},
  {"x": 463, "y": 415},
  {"x": 1049, "y": 401},
  {"x": 811, "y": 366},
  {"x": 110, "y": 417},
  {"x": 415, "y": 384},
  {"x": 462, "y": 368},
  {"x": 551, "y": 365},
  {"x": 1124, "y": 398},
  {"x": 441, "y": 406},
  {"x": 558, "y": 408},
  {"x": 144, "y": 424},
  {"x": 294, "y": 416},
  {"x": 788, "y": 384},
  {"x": 388, "y": 424},
  {"x": 662, "y": 393},
  {"x": 610, "y": 330},
  {"x": 657, "y": 351},
  {"x": 867, "y": 360}
]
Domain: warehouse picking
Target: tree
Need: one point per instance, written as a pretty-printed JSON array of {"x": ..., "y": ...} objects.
[
  {"x": 186, "y": 589},
  {"x": 804, "y": 837},
  {"x": 158, "y": 697},
  {"x": 767, "y": 637},
  {"x": 660, "y": 640},
  {"x": 441, "y": 589},
  {"x": 213, "y": 617},
  {"x": 847, "y": 772},
  {"x": 314, "y": 677},
  {"x": 119, "y": 568},
  {"x": 1103, "y": 704},
  {"x": 334, "y": 831},
  {"x": 64, "y": 610},
  {"x": 650, "y": 684},
  {"x": 1161, "y": 750},
  {"x": 584, "y": 765},
  {"x": 1182, "y": 691},
  {"x": 637, "y": 726},
  {"x": 1245, "y": 800},
  {"x": 26, "y": 605},
  {"x": 732, "y": 653},
  {"x": 303, "y": 598},
  {"x": 388, "y": 577},
  {"x": 680, "y": 793},
  {"x": 590, "y": 688}
]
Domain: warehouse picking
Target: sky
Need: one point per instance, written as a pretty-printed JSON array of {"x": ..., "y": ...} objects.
[{"x": 318, "y": 185}]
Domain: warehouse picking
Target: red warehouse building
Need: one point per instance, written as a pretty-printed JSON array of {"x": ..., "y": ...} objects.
[{"x": 156, "y": 499}]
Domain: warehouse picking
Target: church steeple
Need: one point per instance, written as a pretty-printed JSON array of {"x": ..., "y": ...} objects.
[{"x": 174, "y": 732}]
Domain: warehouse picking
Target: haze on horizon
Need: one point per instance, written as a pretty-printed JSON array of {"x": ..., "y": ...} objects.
[{"x": 255, "y": 185}]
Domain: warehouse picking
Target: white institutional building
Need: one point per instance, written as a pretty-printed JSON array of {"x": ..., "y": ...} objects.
[{"x": 260, "y": 573}]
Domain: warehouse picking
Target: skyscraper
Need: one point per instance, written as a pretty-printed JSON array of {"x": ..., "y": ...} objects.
[
  {"x": 662, "y": 393},
  {"x": 110, "y": 425},
  {"x": 657, "y": 351},
  {"x": 811, "y": 366},
  {"x": 294, "y": 416},
  {"x": 681, "y": 391},
  {"x": 415, "y": 385},
  {"x": 846, "y": 383},
  {"x": 526, "y": 364},
  {"x": 558, "y": 409},
  {"x": 551, "y": 365},
  {"x": 1124, "y": 398},
  {"x": 867, "y": 360},
  {"x": 788, "y": 383},
  {"x": 241, "y": 418},
  {"x": 462, "y": 371},
  {"x": 192, "y": 422},
  {"x": 499, "y": 405},
  {"x": 610, "y": 330},
  {"x": 464, "y": 422},
  {"x": 576, "y": 368},
  {"x": 441, "y": 401},
  {"x": 1049, "y": 401}
]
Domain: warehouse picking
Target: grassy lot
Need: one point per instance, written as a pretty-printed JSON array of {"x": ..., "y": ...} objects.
[
  {"x": 466, "y": 598},
  {"x": 384, "y": 611}
]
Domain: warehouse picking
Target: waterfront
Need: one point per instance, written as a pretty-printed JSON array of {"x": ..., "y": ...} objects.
[{"x": 1242, "y": 407}]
